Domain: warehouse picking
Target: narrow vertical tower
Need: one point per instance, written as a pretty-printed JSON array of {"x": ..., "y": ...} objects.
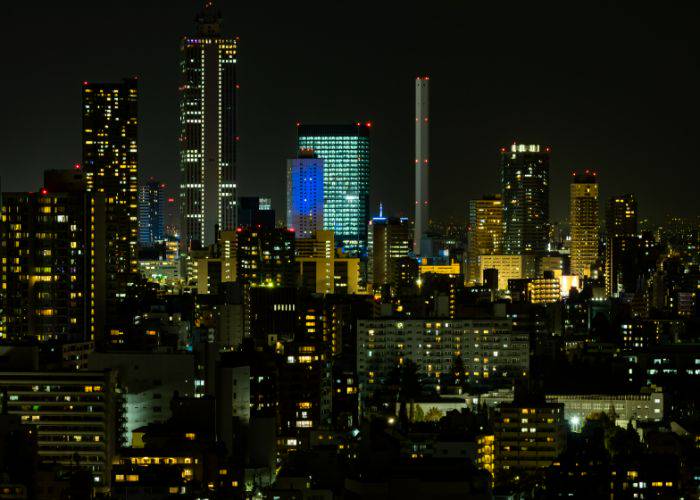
[
  {"x": 422, "y": 162},
  {"x": 584, "y": 222},
  {"x": 208, "y": 130}
]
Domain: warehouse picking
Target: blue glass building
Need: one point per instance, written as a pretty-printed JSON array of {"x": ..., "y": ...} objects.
[
  {"x": 305, "y": 194},
  {"x": 345, "y": 153},
  {"x": 151, "y": 212}
]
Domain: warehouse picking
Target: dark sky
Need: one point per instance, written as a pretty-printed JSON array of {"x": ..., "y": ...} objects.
[{"x": 609, "y": 86}]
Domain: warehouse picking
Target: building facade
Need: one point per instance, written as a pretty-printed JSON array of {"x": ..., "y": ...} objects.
[
  {"x": 488, "y": 348},
  {"x": 509, "y": 267},
  {"x": 110, "y": 163},
  {"x": 621, "y": 216},
  {"x": 53, "y": 261},
  {"x": 208, "y": 131},
  {"x": 151, "y": 213},
  {"x": 345, "y": 151},
  {"x": 389, "y": 239},
  {"x": 265, "y": 256},
  {"x": 305, "y": 196},
  {"x": 583, "y": 217},
  {"x": 72, "y": 414},
  {"x": 525, "y": 192},
  {"x": 527, "y": 437},
  {"x": 484, "y": 233},
  {"x": 321, "y": 269}
]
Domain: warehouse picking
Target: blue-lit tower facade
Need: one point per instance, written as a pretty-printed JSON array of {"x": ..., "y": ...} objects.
[
  {"x": 208, "y": 131},
  {"x": 305, "y": 194},
  {"x": 151, "y": 213},
  {"x": 345, "y": 151}
]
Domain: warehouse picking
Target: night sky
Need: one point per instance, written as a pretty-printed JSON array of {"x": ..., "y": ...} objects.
[{"x": 608, "y": 86}]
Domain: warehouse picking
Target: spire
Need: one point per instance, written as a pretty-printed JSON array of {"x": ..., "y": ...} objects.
[
  {"x": 209, "y": 19},
  {"x": 381, "y": 210}
]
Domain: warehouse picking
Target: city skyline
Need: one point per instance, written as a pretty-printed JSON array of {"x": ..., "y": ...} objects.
[
  {"x": 470, "y": 122},
  {"x": 292, "y": 332}
]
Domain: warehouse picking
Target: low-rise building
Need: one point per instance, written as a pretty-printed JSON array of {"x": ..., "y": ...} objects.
[
  {"x": 488, "y": 348},
  {"x": 72, "y": 414},
  {"x": 527, "y": 436}
]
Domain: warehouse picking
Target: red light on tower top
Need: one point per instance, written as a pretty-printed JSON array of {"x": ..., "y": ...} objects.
[
  {"x": 368, "y": 124},
  {"x": 77, "y": 166},
  {"x": 44, "y": 191}
]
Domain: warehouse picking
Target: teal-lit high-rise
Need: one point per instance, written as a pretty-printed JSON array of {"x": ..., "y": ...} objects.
[{"x": 345, "y": 152}]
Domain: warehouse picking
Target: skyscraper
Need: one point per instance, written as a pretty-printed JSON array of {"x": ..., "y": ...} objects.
[
  {"x": 53, "y": 265},
  {"x": 208, "y": 131},
  {"x": 390, "y": 239},
  {"x": 151, "y": 213},
  {"x": 346, "y": 163},
  {"x": 583, "y": 217},
  {"x": 621, "y": 216},
  {"x": 110, "y": 163},
  {"x": 525, "y": 190},
  {"x": 422, "y": 163},
  {"x": 484, "y": 233},
  {"x": 305, "y": 194}
]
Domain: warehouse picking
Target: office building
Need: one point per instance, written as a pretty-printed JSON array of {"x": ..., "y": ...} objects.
[
  {"x": 488, "y": 347},
  {"x": 484, "y": 233},
  {"x": 583, "y": 218},
  {"x": 110, "y": 163},
  {"x": 621, "y": 216},
  {"x": 255, "y": 211},
  {"x": 322, "y": 269},
  {"x": 305, "y": 196},
  {"x": 151, "y": 213},
  {"x": 510, "y": 267},
  {"x": 345, "y": 152},
  {"x": 265, "y": 256},
  {"x": 525, "y": 192},
  {"x": 422, "y": 161},
  {"x": 389, "y": 239},
  {"x": 528, "y": 435},
  {"x": 208, "y": 131},
  {"x": 72, "y": 414},
  {"x": 53, "y": 261}
]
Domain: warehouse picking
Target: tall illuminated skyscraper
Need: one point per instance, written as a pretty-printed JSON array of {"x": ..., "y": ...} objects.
[
  {"x": 525, "y": 190},
  {"x": 151, "y": 213},
  {"x": 346, "y": 162},
  {"x": 208, "y": 131},
  {"x": 583, "y": 217},
  {"x": 484, "y": 233},
  {"x": 422, "y": 163},
  {"x": 305, "y": 194},
  {"x": 110, "y": 163}
]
